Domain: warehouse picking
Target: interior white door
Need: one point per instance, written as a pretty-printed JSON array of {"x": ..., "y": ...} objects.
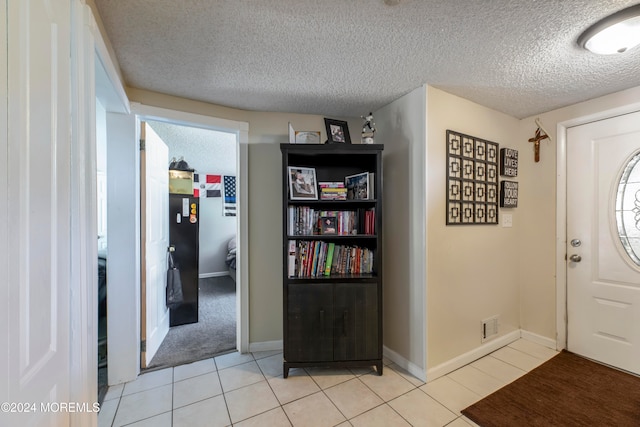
[
  {"x": 155, "y": 314},
  {"x": 37, "y": 144},
  {"x": 603, "y": 281}
]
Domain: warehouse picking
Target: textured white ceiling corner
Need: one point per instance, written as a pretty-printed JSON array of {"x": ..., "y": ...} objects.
[{"x": 345, "y": 58}]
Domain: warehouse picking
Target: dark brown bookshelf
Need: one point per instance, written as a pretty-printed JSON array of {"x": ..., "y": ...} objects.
[{"x": 333, "y": 320}]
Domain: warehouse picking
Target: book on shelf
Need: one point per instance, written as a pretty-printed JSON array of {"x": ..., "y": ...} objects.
[
  {"x": 329, "y": 260},
  {"x": 291, "y": 270},
  {"x": 333, "y": 194},
  {"x": 369, "y": 221},
  {"x": 331, "y": 184}
]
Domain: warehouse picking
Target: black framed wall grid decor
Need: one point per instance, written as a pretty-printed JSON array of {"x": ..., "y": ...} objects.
[{"x": 472, "y": 180}]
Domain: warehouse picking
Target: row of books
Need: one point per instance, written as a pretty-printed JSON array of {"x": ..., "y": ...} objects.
[
  {"x": 306, "y": 221},
  {"x": 332, "y": 191},
  {"x": 315, "y": 258}
]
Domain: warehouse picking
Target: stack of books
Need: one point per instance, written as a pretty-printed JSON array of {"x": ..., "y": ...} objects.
[{"x": 332, "y": 191}]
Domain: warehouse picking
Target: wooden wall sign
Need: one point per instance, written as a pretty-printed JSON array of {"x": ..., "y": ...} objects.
[
  {"x": 508, "y": 162},
  {"x": 508, "y": 194}
]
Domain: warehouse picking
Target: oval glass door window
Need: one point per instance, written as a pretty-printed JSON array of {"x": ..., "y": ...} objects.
[{"x": 628, "y": 208}]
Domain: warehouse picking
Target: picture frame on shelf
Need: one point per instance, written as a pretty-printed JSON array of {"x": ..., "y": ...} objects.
[
  {"x": 337, "y": 131},
  {"x": 302, "y": 183},
  {"x": 307, "y": 137},
  {"x": 303, "y": 136},
  {"x": 358, "y": 187},
  {"x": 328, "y": 225}
]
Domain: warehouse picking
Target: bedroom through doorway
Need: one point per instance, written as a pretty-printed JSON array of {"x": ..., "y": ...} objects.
[{"x": 212, "y": 155}]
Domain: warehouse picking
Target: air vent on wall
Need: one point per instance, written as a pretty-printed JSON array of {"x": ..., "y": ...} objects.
[{"x": 489, "y": 328}]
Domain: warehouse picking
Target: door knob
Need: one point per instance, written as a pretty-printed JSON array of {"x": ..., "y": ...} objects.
[{"x": 575, "y": 258}]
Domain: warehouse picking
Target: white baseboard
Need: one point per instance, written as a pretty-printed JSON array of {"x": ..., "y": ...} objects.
[
  {"x": 266, "y": 346},
  {"x": 214, "y": 274},
  {"x": 444, "y": 368},
  {"x": 471, "y": 356},
  {"x": 539, "y": 339},
  {"x": 408, "y": 366}
]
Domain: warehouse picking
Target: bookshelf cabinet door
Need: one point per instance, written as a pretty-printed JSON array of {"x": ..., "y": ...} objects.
[
  {"x": 309, "y": 323},
  {"x": 356, "y": 321}
]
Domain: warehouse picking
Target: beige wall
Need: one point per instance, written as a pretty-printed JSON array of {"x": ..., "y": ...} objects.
[
  {"x": 475, "y": 272},
  {"x": 472, "y": 270},
  {"x": 401, "y": 128},
  {"x": 266, "y": 132}
]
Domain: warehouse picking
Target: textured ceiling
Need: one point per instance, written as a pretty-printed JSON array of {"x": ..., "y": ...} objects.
[{"x": 348, "y": 57}]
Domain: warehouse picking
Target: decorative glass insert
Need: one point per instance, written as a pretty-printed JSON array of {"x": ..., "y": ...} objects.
[
  {"x": 628, "y": 208},
  {"x": 472, "y": 180}
]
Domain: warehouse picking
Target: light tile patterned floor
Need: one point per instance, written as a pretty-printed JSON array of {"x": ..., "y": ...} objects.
[{"x": 248, "y": 390}]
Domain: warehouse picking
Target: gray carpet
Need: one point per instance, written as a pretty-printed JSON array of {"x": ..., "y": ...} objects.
[{"x": 215, "y": 332}]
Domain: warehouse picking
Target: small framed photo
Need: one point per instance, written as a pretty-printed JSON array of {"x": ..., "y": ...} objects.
[
  {"x": 357, "y": 186},
  {"x": 337, "y": 131},
  {"x": 328, "y": 225},
  {"x": 302, "y": 183}
]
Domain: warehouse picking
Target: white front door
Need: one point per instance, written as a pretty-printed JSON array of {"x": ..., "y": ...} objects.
[
  {"x": 154, "y": 160},
  {"x": 603, "y": 280},
  {"x": 36, "y": 202}
]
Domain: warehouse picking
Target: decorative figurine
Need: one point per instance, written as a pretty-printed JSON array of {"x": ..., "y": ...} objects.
[{"x": 368, "y": 129}]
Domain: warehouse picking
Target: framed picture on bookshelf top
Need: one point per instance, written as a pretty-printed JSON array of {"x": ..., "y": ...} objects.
[
  {"x": 337, "y": 131},
  {"x": 302, "y": 183}
]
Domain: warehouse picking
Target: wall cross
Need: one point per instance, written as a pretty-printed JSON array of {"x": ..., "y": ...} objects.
[{"x": 539, "y": 136}]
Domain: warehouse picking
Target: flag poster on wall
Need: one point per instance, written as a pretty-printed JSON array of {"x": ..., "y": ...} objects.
[
  {"x": 206, "y": 185},
  {"x": 229, "y": 203}
]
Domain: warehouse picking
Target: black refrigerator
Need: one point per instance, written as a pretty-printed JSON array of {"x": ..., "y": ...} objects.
[{"x": 183, "y": 236}]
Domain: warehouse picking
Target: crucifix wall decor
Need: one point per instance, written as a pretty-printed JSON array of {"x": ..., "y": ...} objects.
[
  {"x": 472, "y": 180},
  {"x": 541, "y": 133},
  {"x": 539, "y": 136}
]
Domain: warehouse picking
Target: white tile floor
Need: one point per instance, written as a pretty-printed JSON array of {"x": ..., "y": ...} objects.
[{"x": 248, "y": 390}]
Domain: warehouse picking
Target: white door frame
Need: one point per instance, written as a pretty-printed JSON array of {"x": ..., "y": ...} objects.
[
  {"x": 241, "y": 129},
  {"x": 561, "y": 211},
  {"x": 110, "y": 91}
]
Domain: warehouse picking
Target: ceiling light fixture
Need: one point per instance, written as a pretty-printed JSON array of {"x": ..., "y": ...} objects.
[{"x": 616, "y": 33}]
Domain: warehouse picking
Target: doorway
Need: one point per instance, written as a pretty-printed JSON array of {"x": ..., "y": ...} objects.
[
  {"x": 212, "y": 154},
  {"x": 123, "y": 268},
  {"x": 603, "y": 240}
]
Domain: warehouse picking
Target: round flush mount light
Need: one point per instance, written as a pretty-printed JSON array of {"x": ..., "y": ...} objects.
[{"x": 616, "y": 33}]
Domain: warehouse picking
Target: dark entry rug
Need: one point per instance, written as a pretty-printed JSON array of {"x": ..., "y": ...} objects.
[
  {"x": 567, "y": 390},
  {"x": 213, "y": 334}
]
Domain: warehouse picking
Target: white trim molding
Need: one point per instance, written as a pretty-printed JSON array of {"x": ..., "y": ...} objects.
[
  {"x": 241, "y": 129},
  {"x": 473, "y": 355},
  {"x": 214, "y": 274},
  {"x": 266, "y": 346},
  {"x": 412, "y": 368}
]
